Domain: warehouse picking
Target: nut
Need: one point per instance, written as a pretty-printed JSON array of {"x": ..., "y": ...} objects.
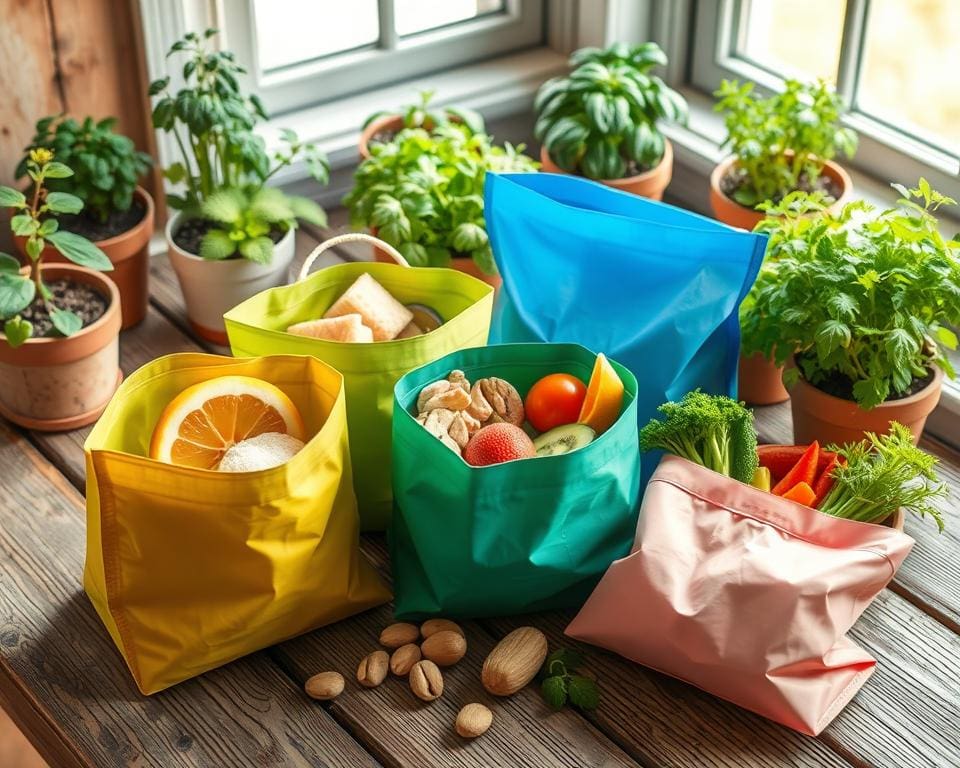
[
  {"x": 444, "y": 648},
  {"x": 473, "y": 720},
  {"x": 442, "y": 394},
  {"x": 399, "y": 634},
  {"x": 479, "y": 408},
  {"x": 404, "y": 658},
  {"x": 373, "y": 669},
  {"x": 324, "y": 686},
  {"x": 514, "y": 661},
  {"x": 459, "y": 379},
  {"x": 432, "y": 626},
  {"x": 450, "y": 426},
  {"x": 426, "y": 682},
  {"x": 503, "y": 400}
]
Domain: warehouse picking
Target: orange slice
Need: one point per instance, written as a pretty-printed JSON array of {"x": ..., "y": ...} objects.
[
  {"x": 601, "y": 407},
  {"x": 204, "y": 420}
]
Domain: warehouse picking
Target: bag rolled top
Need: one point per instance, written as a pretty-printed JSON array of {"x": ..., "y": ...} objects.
[
  {"x": 653, "y": 286},
  {"x": 370, "y": 370},
  {"x": 744, "y": 594}
]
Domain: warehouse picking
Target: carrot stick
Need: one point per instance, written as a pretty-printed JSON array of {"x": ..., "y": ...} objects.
[
  {"x": 801, "y": 493},
  {"x": 804, "y": 471}
]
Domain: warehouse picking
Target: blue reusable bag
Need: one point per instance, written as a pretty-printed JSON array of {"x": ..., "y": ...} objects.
[{"x": 656, "y": 287}]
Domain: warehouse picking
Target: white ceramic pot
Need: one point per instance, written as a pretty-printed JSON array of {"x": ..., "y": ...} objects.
[{"x": 211, "y": 288}]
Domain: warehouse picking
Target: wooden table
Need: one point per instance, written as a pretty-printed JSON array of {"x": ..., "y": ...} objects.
[{"x": 67, "y": 687}]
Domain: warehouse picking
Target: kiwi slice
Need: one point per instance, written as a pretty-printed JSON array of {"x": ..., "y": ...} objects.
[{"x": 563, "y": 439}]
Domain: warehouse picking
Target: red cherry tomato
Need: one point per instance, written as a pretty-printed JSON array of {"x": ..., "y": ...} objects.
[{"x": 555, "y": 400}]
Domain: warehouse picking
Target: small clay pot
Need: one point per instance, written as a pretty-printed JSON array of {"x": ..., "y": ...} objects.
[
  {"x": 760, "y": 381},
  {"x": 820, "y": 416},
  {"x": 463, "y": 264},
  {"x": 389, "y": 123},
  {"x": 211, "y": 288},
  {"x": 730, "y": 212},
  {"x": 129, "y": 252},
  {"x": 56, "y": 384},
  {"x": 649, "y": 184}
]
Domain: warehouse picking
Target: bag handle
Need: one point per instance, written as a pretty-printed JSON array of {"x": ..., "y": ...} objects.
[{"x": 351, "y": 237}]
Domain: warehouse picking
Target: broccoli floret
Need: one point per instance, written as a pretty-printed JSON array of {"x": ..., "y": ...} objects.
[{"x": 711, "y": 430}]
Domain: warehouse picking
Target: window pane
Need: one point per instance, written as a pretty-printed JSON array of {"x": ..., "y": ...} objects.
[
  {"x": 293, "y": 31},
  {"x": 414, "y": 16},
  {"x": 910, "y": 68},
  {"x": 796, "y": 38}
]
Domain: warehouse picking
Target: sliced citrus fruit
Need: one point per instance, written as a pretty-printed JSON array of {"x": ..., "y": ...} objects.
[
  {"x": 204, "y": 420},
  {"x": 601, "y": 407}
]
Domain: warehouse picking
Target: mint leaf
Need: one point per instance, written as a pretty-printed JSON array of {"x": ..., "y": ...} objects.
[
  {"x": 583, "y": 692},
  {"x": 554, "y": 690},
  {"x": 568, "y": 657}
]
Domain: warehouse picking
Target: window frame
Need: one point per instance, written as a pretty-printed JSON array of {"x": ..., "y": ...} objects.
[{"x": 294, "y": 87}]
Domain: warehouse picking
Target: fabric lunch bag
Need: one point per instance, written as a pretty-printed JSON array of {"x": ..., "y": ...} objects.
[
  {"x": 653, "y": 286},
  {"x": 190, "y": 568},
  {"x": 521, "y": 536},
  {"x": 370, "y": 370},
  {"x": 744, "y": 594}
]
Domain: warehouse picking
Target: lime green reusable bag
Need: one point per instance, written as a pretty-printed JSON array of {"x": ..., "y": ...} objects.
[
  {"x": 527, "y": 535},
  {"x": 370, "y": 371}
]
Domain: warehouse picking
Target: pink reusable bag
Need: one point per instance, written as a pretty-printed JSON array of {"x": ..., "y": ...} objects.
[{"x": 744, "y": 594}]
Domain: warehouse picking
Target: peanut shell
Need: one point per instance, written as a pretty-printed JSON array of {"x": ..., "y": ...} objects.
[
  {"x": 373, "y": 669},
  {"x": 426, "y": 681}
]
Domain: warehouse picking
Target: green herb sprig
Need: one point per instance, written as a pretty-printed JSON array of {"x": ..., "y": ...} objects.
[
  {"x": 884, "y": 473},
  {"x": 561, "y": 682}
]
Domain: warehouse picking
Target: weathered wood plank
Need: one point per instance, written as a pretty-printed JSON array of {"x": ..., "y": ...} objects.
[
  {"x": 660, "y": 721},
  {"x": 61, "y": 675},
  {"x": 930, "y": 576}
]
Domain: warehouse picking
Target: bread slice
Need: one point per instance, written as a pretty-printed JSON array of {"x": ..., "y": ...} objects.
[
  {"x": 343, "y": 328},
  {"x": 382, "y": 313}
]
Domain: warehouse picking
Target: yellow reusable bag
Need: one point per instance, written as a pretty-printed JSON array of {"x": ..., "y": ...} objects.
[
  {"x": 370, "y": 371},
  {"x": 191, "y": 568}
]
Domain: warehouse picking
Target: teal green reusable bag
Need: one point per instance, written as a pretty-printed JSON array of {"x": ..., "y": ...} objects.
[
  {"x": 523, "y": 536},
  {"x": 257, "y": 328}
]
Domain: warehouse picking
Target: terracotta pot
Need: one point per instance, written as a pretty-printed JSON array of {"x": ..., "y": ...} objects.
[
  {"x": 731, "y": 212},
  {"x": 829, "y": 419},
  {"x": 463, "y": 264},
  {"x": 55, "y": 384},
  {"x": 129, "y": 252},
  {"x": 760, "y": 382},
  {"x": 389, "y": 123},
  {"x": 650, "y": 184},
  {"x": 211, "y": 288}
]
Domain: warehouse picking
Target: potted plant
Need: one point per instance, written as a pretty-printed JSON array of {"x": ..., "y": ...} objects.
[
  {"x": 860, "y": 304},
  {"x": 232, "y": 236},
  {"x": 117, "y": 215},
  {"x": 423, "y": 194},
  {"x": 59, "y": 350},
  {"x": 381, "y": 127},
  {"x": 600, "y": 121},
  {"x": 779, "y": 145}
]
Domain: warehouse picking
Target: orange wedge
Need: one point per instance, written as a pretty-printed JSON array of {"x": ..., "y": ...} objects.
[
  {"x": 601, "y": 407},
  {"x": 204, "y": 420}
]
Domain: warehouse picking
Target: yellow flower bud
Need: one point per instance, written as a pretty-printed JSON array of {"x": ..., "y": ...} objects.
[{"x": 41, "y": 155}]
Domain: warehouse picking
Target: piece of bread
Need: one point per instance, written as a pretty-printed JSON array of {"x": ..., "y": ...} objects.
[
  {"x": 343, "y": 328},
  {"x": 382, "y": 313}
]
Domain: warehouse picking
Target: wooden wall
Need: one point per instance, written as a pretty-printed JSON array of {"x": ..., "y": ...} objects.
[{"x": 82, "y": 57}]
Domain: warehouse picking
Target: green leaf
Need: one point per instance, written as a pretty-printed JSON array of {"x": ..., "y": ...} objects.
[
  {"x": 63, "y": 202},
  {"x": 65, "y": 321},
  {"x": 307, "y": 210},
  {"x": 901, "y": 347},
  {"x": 11, "y": 198},
  {"x": 17, "y": 330},
  {"x": 48, "y": 227},
  {"x": 946, "y": 337},
  {"x": 554, "y": 690},
  {"x": 870, "y": 392},
  {"x": 225, "y": 205},
  {"x": 34, "y": 247},
  {"x": 158, "y": 85},
  {"x": 80, "y": 251},
  {"x": 469, "y": 237},
  {"x": 415, "y": 254},
  {"x": 55, "y": 170},
  {"x": 259, "y": 250},
  {"x": 271, "y": 205},
  {"x": 16, "y": 293},
  {"x": 583, "y": 692},
  {"x": 175, "y": 173},
  {"x": 217, "y": 245},
  {"x": 9, "y": 264},
  {"x": 23, "y": 224},
  {"x": 831, "y": 335},
  {"x": 569, "y": 658}
]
